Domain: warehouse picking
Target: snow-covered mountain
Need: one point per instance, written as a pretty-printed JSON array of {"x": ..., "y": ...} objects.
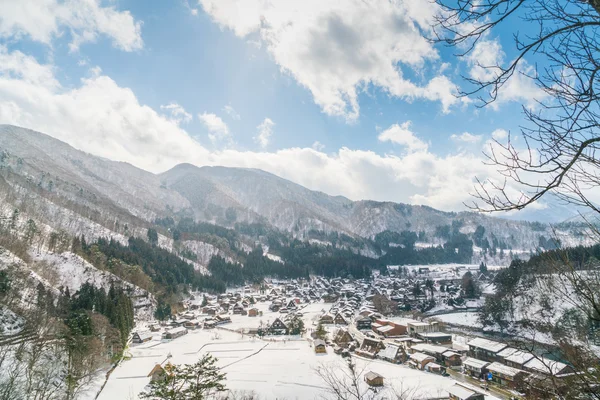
[{"x": 61, "y": 180}]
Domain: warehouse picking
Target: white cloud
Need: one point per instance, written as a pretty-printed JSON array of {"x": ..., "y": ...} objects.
[
  {"x": 337, "y": 48},
  {"x": 217, "y": 128},
  {"x": 265, "y": 130},
  {"x": 100, "y": 117},
  {"x": 466, "y": 137},
  {"x": 318, "y": 146},
  {"x": 499, "y": 134},
  {"x": 177, "y": 112},
  {"x": 401, "y": 134},
  {"x": 483, "y": 61},
  {"x": 231, "y": 112},
  {"x": 85, "y": 20}
]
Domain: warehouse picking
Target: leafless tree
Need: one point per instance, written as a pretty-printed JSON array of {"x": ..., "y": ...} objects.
[
  {"x": 559, "y": 39},
  {"x": 557, "y": 46},
  {"x": 346, "y": 383}
]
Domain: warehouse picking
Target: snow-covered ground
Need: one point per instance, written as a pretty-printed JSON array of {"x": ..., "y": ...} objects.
[
  {"x": 274, "y": 367},
  {"x": 462, "y": 318}
]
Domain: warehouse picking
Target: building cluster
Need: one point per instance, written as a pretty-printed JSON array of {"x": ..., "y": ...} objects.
[{"x": 516, "y": 369}]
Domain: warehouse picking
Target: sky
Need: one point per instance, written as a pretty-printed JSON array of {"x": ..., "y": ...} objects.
[{"x": 346, "y": 97}]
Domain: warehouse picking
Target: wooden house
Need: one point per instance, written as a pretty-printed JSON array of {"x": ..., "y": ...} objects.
[
  {"x": 160, "y": 373},
  {"x": 507, "y": 376},
  {"x": 420, "y": 360},
  {"x": 340, "y": 320},
  {"x": 253, "y": 312},
  {"x": 461, "y": 392},
  {"x": 343, "y": 337},
  {"x": 175, "y": 333},
  {"x": 141, "y": 337},
  {"x": 474, "y": 367},
  {"x": 373, "y": 379},
  {"x": 451, "y": 359},
  {"x": 392, "y": 353},
  {"x": 370, "y": 347},
  {"x": 278, "y": 327},
  {"x": 485, "y": 349},
  {"x": 363, "y": 323},
  {"x": 326, "y": 319},
  {"x": 320, "y": 347}
]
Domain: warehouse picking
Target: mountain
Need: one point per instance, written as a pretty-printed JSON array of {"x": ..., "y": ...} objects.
[{"x": 57, "y": 182}]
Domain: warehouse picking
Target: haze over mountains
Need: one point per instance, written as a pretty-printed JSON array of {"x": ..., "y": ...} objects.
[{"x": 36, "y": 166}]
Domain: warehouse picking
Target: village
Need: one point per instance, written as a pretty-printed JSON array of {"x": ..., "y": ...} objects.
[{"x": 297, "y": 326}]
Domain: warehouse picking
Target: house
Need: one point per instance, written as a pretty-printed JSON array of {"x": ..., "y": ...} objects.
[
  {"x": 485, "y": 349},
  {"x": 547, "y": 367},
  {"x": 515, "y": 358},
  {"x": 278, "y": 327},
  {"x": 326, "y": 319},
  {"x": 192, "y": 324},
  {"x": 274, "y": 307},
  {"x": 370, "y": 347},
  {"x": 343, "y": 337},
  {"x": 253, "y": 312},
  {"x": 238, "y": 308},
  {"x": 222, "y": 319},
  {"x": 415, "y": 327},
  {"x": 435, "y": 337},
  {"x": 141, "y": 337},
  {"x": 434, "y": 368},
  {"x": 420, "y": 360},
  {"x": 432, "y": 350},
  {"x": 474, "y": 367},
  {"x": 174, "y": 333},
  {"x": 154, "y": 327},
  {"x": 340, "y": 320},
  {"x": 159, "y": 373},
  {"x": 320, "y": 347},
  {"x": 392, "y": 353},
  {"x": 292, "y": 304},
  {"x": 373, "y": 379},
  {"x": 461, "y": 392},
  {"x": 451, "y": 359},
  {"x": 178, "y": 322},
  {"x": 388, "y": 328},
  {"x": 507, "y": 376}
]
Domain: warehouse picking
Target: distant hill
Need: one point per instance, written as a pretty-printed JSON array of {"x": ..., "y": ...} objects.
[{"x": 50, "y": 174}]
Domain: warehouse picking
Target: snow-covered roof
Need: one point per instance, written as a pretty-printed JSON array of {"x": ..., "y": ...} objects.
[
  {"x": 420, "y": 357},
  {"x": 475, "y": 363},
  {"x": 450, "y": 353},
  {"x": 434, "y": 334},
  {"x": 385, "y": 328},
  {"x": 389, "y": 352},
  {"x": 461, "y": 392},
  {"x": 545, "y": 365},
  {"x": 516, "y": 356},
  {"x": 176, "y": 330},
  {"x": 430, "y": 348},
  {"x": 488, "y": 345},
  {"x": 503, "y": 369}
]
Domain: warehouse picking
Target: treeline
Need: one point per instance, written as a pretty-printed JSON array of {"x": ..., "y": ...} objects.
[
  {"x": 256, "y": 267},
  {"x": 167, "y": 271},
  {"x": 458, "y": 249},
  {"x": 77, "y": 310}
]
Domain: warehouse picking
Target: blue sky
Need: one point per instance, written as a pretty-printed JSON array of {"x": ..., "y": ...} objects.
[{"x": 347, "y": 97}]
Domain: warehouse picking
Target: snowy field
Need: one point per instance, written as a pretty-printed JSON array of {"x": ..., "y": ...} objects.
[
  {"x": 274, "y": 368},
  {"x": 462, "y": 318}
]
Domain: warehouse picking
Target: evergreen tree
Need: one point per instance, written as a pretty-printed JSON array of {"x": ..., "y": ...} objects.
[{"x": 198, "y": 381}]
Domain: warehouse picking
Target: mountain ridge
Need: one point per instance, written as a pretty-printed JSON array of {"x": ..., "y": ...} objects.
[{"x": 227, "y": 195}]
